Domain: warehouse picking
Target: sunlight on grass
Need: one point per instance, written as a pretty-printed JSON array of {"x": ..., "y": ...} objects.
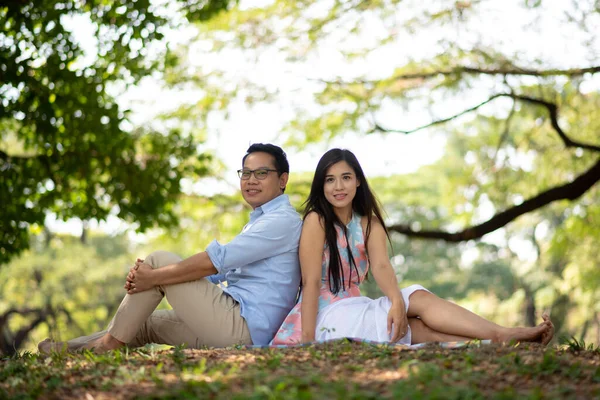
[{"x": 337, "y": 370}]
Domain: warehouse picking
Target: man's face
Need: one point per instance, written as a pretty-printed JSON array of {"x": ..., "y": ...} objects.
[{"x": 258, "y": 192}]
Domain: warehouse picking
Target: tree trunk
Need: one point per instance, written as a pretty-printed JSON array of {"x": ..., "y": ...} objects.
[
  {"x": 530, "y": 319},
  {"x": 84, "y": 228}
]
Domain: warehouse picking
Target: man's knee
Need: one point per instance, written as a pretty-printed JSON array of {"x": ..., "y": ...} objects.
[{"x": 160, "y": 258}]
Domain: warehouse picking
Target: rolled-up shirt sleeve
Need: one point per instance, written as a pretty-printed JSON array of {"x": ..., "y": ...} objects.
[
  {"x": 216, "y": 278},
  {"x": 267, "y": 237}
]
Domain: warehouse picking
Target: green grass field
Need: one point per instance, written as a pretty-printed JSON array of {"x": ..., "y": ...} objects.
[{"x": 340, "y": 370}]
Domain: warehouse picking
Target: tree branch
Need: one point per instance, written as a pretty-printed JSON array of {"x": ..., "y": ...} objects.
[
  {"x": 553, "y": 112},
  {"x": 514, "y": 71},
  {"x": 568, "y": 191},
  {"x": 22, "y": 333},
  {"x": 506, "y": 130},
  {"x": 9, "y": 343},
  {"x": 551, "y": 107},
  {"x": 4, "y": 317},
  {"x": 7, "y": 157},
  {"x": 378, "y": 128},
  {"x": 573, "y": 72}
]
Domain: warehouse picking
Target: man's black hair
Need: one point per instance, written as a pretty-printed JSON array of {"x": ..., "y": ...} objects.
[{"x": 281, "y": 162}]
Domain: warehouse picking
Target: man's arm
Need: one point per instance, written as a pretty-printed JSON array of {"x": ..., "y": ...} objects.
[
  {"x": 192, "y": 268},
  {"x": 267, "y": 237},
  {"x": 143, "y": 277}
]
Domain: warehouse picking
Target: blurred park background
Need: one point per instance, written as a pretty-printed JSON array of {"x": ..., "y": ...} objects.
[{"x": 477, "y": 122}]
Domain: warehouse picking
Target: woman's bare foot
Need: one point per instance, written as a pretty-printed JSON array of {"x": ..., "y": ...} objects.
[
  {"x": 549, "y": 333},
  {"x": 531, "y": 334},
  {"x": 47, "y": 346}
]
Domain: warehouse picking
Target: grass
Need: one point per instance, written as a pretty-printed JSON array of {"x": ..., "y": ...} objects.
[
  {"x": 342, "y": 370},
  {"x": 578, "y": 345}
]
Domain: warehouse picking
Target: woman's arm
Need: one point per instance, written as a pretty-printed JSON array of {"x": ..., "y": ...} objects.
[
  {"x": 312, "y": 242},
  {"x": 386, "y": 280}
]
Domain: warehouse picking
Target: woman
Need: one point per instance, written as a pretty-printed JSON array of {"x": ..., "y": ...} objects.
[{"x": 343, "y": 218}]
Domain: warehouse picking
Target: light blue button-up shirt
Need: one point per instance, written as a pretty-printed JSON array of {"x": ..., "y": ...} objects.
[{"x": 261, "y": 267}]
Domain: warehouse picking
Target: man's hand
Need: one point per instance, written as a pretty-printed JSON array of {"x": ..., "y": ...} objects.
[
  {"x": 129, "y": 278},
  {"x": 397, "y": 318},
  {"x": 139, "y": 278}
]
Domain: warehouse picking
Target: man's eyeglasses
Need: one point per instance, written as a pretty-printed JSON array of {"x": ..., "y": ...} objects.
[{"x": 259, "y": 174}]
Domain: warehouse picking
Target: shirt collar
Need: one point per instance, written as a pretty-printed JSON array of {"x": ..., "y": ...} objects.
[{"x": 272, "y": 205}]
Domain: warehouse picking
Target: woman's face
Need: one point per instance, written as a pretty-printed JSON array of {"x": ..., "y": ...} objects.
[{"x": 340, "y": 185}]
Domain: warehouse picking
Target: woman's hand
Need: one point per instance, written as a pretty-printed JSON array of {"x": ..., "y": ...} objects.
[
  {"x": 386, "y": 280},
  {"x": 398, "y": 320},
  {"x": 139, "y": 278}
]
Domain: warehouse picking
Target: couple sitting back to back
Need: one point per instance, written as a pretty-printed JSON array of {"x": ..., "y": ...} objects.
[{"x": 343, "y": 237}]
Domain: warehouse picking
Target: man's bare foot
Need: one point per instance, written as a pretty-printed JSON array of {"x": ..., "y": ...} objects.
[
  {"x": 104, "y": 344},
  {"x": 549, "y": 333},
  {"x": 531, "y": 334},
  {"x": 47, "y": 346}
]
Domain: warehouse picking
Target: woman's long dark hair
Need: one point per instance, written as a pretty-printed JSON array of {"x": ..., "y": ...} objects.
[{"x": 364, "y": 203}]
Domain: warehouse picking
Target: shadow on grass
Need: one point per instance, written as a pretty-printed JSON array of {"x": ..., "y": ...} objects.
[{"x": 342, "y": 370}]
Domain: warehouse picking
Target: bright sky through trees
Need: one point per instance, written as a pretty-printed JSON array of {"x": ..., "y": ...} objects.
[
  {"x": 381, "y": 154},
  {"x": 501, "y": 26}
]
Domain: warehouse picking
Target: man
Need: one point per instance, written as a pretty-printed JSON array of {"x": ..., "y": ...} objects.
[{"x": 260, "y": 266}]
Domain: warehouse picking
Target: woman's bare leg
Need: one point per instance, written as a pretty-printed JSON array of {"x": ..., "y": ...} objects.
[
  {"x": 449, "y": 318},
  {"x": 421, "y": 333}
]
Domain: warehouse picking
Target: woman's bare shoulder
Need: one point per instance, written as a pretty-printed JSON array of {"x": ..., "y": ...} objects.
[
  {"x": 313, "y": 220},
  {"x": 364, "y": 221}
]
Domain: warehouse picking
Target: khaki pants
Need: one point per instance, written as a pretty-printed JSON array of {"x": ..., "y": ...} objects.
[{"x": 202, "y": 315}]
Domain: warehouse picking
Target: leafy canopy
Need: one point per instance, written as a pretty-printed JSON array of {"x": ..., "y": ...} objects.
[{"x": 66, "y": 145}]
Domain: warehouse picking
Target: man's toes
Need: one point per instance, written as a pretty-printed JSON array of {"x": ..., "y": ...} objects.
[
  {"x": 545, "y": 317},
  {"x": 44, "y": 346},
  {"x": 547, "y": 336}
]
